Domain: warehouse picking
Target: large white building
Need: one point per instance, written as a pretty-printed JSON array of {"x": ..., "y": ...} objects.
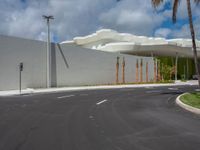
[
  {"x": 112, "y": 41},
  {"x": 71, "y": 65},
  {"x": 105, "y": 57}
]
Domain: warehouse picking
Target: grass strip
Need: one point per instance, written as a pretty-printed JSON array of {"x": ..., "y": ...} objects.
[{"x": 192, "y": 99}]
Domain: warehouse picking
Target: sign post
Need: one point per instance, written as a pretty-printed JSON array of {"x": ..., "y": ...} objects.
[{"x": 21, "y": 67}]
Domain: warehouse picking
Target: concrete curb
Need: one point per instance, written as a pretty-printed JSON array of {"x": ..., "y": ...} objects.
[
  {"x": 84, "y": 88},
  {"x": 185, "y": 106},
  {"x": 81, "y": 88}
]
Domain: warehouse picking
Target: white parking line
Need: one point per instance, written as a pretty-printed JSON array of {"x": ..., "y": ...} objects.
[
  {"x": 65, "y": 96},
  {"x": 149, "y": 87},
  {"x": 126, "y": 89},
  {"x": 83, "y": 94},
  {"x": 27, "y": 95},
  {"x": 173, "y": 88},
  {"x": 154, "y": 91},
  {"x": 101, "y": 102}
]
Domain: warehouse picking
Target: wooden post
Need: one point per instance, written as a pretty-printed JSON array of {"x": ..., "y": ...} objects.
[
  {"x": 155, "y": 72},
  {"x": 176, "y": 64},
  {"x": 162, "y": 77},
  {"x": 147, "y": 72},
  {"x": 141, "y": 73},
  {"x": 123, "y": 71},
  {"x": 187, "y": 69},
  {"x": 117, "y": 71},
  {"x": 136, "y": 73},
  {"x": 158, "y": 65}
]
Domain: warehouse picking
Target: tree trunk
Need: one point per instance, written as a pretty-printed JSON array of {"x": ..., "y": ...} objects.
[
  {"x": 123, "y": 71},
  {"x": 193, "y": 39},
  {"x": 117, "y": 71},
  {"x": 136, "y": 76}
]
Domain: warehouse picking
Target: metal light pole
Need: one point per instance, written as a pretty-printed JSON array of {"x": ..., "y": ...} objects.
[{"x": 48, "y": 50}]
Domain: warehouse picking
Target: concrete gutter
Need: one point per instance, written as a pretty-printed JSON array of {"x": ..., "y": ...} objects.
[
  {"x": 81, "y": 88},
  {"x": 187, "y": 107}
]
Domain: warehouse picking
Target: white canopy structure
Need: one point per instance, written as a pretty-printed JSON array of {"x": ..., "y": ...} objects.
[{"x": 112, "y": 41}]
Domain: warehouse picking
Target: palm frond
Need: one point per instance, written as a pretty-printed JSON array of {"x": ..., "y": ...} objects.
[
  {"x": 197, "y": 1},
  {"x": 175, "y": 8},
  {"x": 156, "y": 3}
]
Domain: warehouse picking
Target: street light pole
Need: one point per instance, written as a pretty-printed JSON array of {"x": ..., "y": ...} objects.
[{"x": 48, "y": 54}]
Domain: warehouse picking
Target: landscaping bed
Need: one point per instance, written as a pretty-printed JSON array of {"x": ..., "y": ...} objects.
[{"x": 192, "y": 99}]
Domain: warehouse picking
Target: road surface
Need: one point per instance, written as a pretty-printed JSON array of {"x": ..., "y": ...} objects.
[{"x": 118, "y": 119}]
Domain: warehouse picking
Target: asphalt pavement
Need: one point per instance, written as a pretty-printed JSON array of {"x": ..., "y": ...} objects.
[{"x": 114, "y": 119}]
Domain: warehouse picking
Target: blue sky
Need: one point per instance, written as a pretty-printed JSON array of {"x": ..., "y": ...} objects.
[{"x": 23, "y": 18}]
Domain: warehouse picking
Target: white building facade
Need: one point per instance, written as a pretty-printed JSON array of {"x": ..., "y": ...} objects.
[{"x": 71, "y": 65}]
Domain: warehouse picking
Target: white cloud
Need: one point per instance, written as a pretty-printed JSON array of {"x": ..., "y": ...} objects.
[
  {"x": 184, "y": 31},
  {"x": 82, "y": 17},
  {"x": 162, "y": 32},
  {"x": 72, "y": 17},
  {"x": 132, "y": 16}
]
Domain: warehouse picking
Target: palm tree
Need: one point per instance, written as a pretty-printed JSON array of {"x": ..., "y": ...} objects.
[{"x": 175, "y": 8}]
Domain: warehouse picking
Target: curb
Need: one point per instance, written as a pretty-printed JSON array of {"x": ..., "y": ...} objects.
[
  {"x": 185, "y": 106},
  {"x": 16, "y": 92},
  {"x": 82, "y": 88}
]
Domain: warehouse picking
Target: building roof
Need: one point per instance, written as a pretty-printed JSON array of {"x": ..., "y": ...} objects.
[{"x": 112, "y": 41}]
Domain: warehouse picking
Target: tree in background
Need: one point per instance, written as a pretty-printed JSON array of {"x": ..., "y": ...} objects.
[{"x": 175, "y": 8}]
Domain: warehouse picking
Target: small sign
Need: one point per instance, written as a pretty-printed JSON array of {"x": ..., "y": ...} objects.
[{"x": 21, "y": 66}]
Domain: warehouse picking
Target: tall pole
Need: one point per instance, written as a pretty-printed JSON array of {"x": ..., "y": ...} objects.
[
  {"x": 48, "y": 52},
  {"x": 136, "y": 76},
  {"x": 141, "y": 71},
  {"x": 117, "y": 71},
  {"x": 155, "y": 70},
  {"x": 193, "y": 40},
  {"x": 21, "y": 67},
  {"x": 147, "y": 72},
  {"x": 158, "y": 66},
  {"x": 48, "y": 55},
  {"x": 176, "y": 68},
  {"x": 187, "y": 68},
  {"x": 123, "y": 71}
]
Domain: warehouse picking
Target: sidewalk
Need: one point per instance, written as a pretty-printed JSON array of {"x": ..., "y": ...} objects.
[{"x": 80, "y": 88}]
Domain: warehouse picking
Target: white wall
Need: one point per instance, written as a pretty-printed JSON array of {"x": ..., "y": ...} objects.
[
  {"x": 89, "y": 67},
  {"x": 31, "y": 53},
  {"x": 86, "y": 67}
]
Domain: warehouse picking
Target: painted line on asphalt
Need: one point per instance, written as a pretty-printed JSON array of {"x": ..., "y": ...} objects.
[
  {"x": 66, "y": 96},
  {"x": 169, "y": 99},
  {"x": 126, "y": 89},
  {"x": 101, "y": 102},
  {"x": 173, "y": 88},
  {"x": 83, "y": 94},
  {"x": 27, "y": 95},
  {"x": 91, "y": 117},
  {"x": 155, "y": 91},
  {"x": 149, "y": 87}
]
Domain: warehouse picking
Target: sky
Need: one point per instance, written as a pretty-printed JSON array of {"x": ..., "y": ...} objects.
[{"x": 23, "y": 18}]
